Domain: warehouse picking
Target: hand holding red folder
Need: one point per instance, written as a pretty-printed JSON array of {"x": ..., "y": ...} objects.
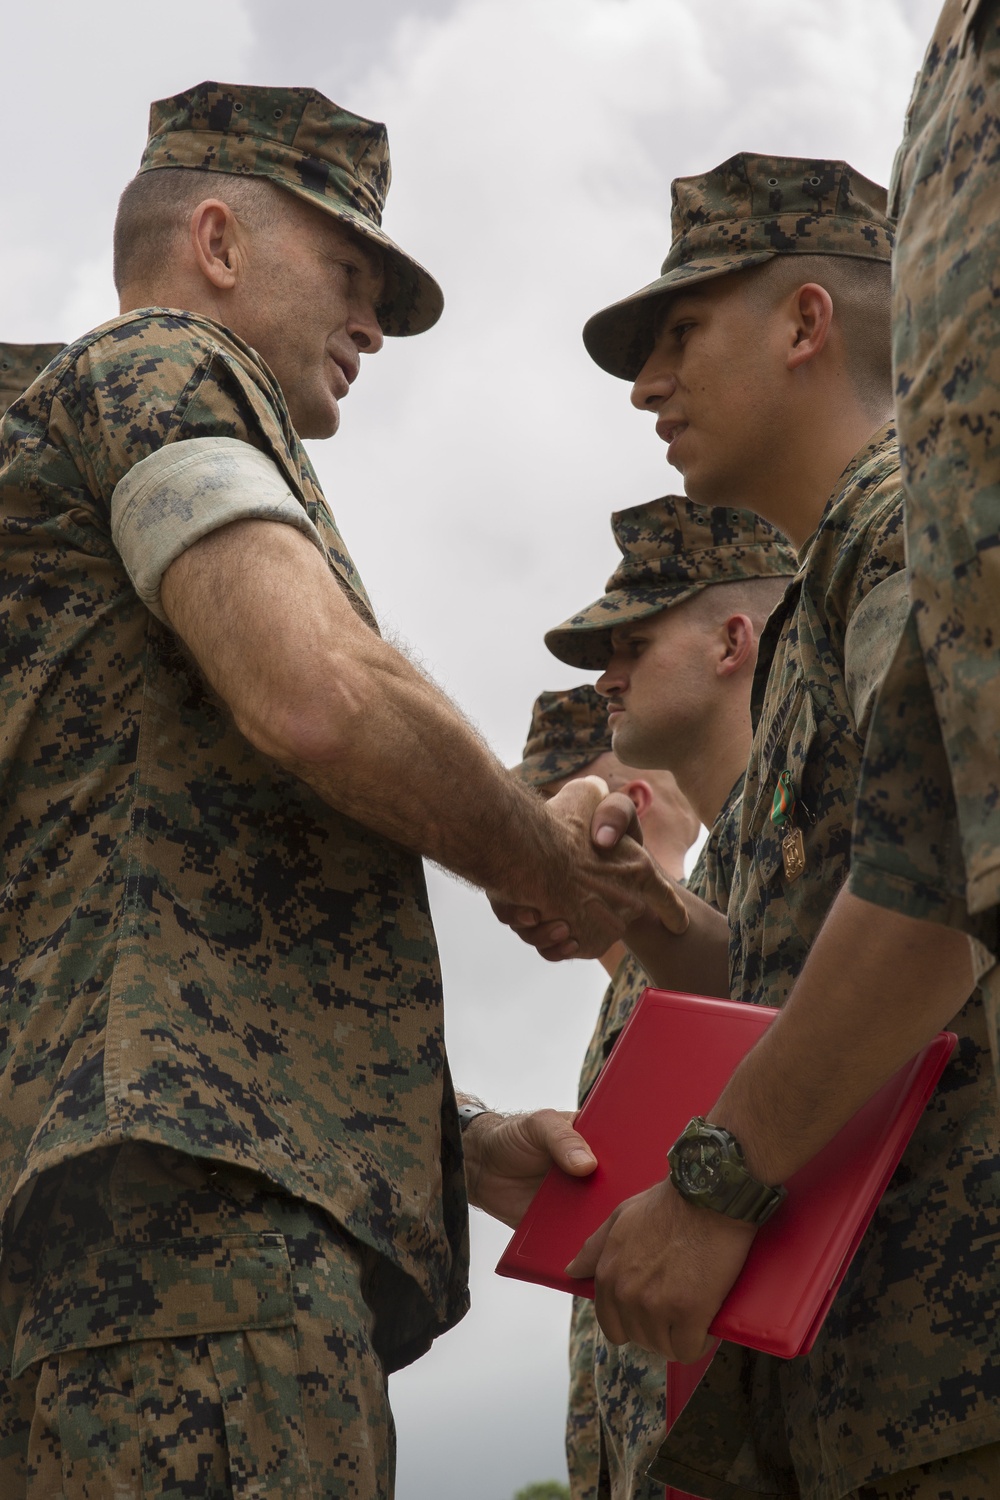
[
  {"x": 671, "y": 1062},
  {"x": 666, "y": 1269}
]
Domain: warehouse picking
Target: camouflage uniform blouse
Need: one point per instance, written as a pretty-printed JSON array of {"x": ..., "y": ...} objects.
[
  {"x": 195, "y": 950},
  {"x": 617, "y": 1406},
  {"x": 904, "y": 1369}
]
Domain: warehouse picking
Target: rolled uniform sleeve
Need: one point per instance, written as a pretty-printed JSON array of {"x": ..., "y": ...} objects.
[{"x": 185, "y": 491}]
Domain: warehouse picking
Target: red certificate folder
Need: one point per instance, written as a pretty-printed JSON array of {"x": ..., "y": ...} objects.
[{"x": 671, "y": 1062}]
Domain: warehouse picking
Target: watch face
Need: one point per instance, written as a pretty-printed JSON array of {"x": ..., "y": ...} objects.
[{"x": 698, "y": 1164}]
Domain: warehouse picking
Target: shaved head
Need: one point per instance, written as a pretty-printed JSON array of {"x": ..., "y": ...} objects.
[
  {"x": 155, "y": 208},
  {"x": 862, "y": 308},
  {"x": 753, "y": 597}
]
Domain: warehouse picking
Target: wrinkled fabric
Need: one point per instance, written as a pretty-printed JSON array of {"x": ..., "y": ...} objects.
[{"x": 181, "y": 1331}]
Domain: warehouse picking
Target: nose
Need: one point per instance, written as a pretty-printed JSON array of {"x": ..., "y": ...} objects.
[
  {"x": 365, "y": 329},
  {"x": 654, "y": 384},
  {"x": 613, "y": 679}
]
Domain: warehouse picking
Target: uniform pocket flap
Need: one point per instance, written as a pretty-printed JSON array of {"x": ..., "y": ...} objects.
[{"x": 126, "y": 1293}]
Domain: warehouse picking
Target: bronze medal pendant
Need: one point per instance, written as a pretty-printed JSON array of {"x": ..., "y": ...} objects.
[{"x": 793, "y": 854}]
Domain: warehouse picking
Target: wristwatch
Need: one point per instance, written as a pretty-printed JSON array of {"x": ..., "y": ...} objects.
[
  {"x": 469, "y": 1112},
  {"x": 707, "y": 1168}
]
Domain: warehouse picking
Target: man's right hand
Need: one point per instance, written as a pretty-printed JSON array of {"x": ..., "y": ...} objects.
[{"x": 595, "y": 882}]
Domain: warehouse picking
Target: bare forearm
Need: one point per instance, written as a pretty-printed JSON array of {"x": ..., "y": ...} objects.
[
  {"x": 695, "y": 961},
  {"x": 312, "y": 686},
  {"x": 416, "y": 772},
  {"x": 315, "y": 688},
  {"x": 875, "y": 989}
]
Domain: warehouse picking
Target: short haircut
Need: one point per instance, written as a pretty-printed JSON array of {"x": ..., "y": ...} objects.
[
  {"x": 862, "y": 305},
  {"x": 753, "y": 597},
  {"x": 156, "y": 206}
]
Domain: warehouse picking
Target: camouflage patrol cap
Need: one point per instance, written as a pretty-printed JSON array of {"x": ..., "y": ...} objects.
[
  {"x": 568, "y": 730},
  {"x": 671, "y": 550},
  {"x": 19, "y": 365},
  {"x": 297, "y": 138},
  {"x": 743, "y": 213}
]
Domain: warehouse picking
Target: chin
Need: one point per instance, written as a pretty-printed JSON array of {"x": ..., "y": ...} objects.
[
  {"x": 321, "y": 420},
  {"x": 705, "y": 489}
]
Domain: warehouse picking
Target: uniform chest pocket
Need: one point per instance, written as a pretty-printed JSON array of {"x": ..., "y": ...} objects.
[{"x": 790, "y": 744}]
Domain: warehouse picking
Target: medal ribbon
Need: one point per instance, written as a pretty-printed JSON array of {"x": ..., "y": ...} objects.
[{"x": 783, "y": 806}]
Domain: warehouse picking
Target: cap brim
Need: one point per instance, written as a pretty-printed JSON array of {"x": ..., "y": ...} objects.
[
  {"x": 584, "y": 640},
  {"x": 412, "y": 301},
  {"x": 620, "y": 338}
]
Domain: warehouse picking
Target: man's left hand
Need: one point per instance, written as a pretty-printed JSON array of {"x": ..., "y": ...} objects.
[
  {"x": 662, "y": 1269},
  {"x": 506, "y": 1157}
]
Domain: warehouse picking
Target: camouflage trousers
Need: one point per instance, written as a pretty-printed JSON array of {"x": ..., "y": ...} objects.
[
  {"x": 174, "y": 1331},
  {"x": 583, "y": 1425},
  {"x": 965, "y": 1476},
  {"x": 617, "y": 1413}
]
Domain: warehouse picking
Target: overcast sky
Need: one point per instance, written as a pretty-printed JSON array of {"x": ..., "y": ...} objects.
[{"x": 533, "y": 144}]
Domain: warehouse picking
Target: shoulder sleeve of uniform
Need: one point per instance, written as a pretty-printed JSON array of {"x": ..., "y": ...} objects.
[
  {"x": 872, "y": 636},
  {"x": 160, "y": 379},
  {"x": 186, "y": 490},
  {"x": 868, "y": 537}
]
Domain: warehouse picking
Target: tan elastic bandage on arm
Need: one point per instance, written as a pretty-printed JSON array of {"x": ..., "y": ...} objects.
[{"x": 186, "y": 490}]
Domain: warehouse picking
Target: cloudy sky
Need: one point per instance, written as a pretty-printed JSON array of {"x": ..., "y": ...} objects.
[{"x": 533, "y": 144}]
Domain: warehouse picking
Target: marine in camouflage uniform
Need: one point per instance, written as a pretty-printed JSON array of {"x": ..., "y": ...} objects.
[
  {"x": 205, "y": 966},
  {"x": 902, "y": 1374},
  {"x": 671, "y": 550},
  {"x": 927, "y": 837},
  {"x": 20, "y": 364}
]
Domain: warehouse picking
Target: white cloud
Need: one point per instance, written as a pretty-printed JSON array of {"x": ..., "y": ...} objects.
[{"x": 73, "y": 115}]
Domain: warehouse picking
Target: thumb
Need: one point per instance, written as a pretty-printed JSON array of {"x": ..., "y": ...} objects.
[
  {"x": 614, "y": 817},
  {"x": 584, "y": 1263},
  {"x": 553, "y": 1131},
  {"x": 665, "y": 903}
]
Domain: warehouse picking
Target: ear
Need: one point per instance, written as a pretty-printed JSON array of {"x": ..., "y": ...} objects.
[
  {"x": 812, "y": 320},
  {"x": 739, "y": 643},
  {"x": 214, "y": 233},
  {"x": 640, "y": 793}
]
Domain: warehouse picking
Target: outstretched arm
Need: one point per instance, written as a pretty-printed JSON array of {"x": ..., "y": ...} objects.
[{"x": 312, "y": 686}]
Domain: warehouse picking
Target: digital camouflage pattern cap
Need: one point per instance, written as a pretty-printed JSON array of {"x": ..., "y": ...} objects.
[
  {"x": 20, "y": 365},
  {"x": 743, "y": 213},
  {"x": 568, "y": 730},
  {"x": 671, "y": 549},
  {"x": 323, "y": 154}
]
